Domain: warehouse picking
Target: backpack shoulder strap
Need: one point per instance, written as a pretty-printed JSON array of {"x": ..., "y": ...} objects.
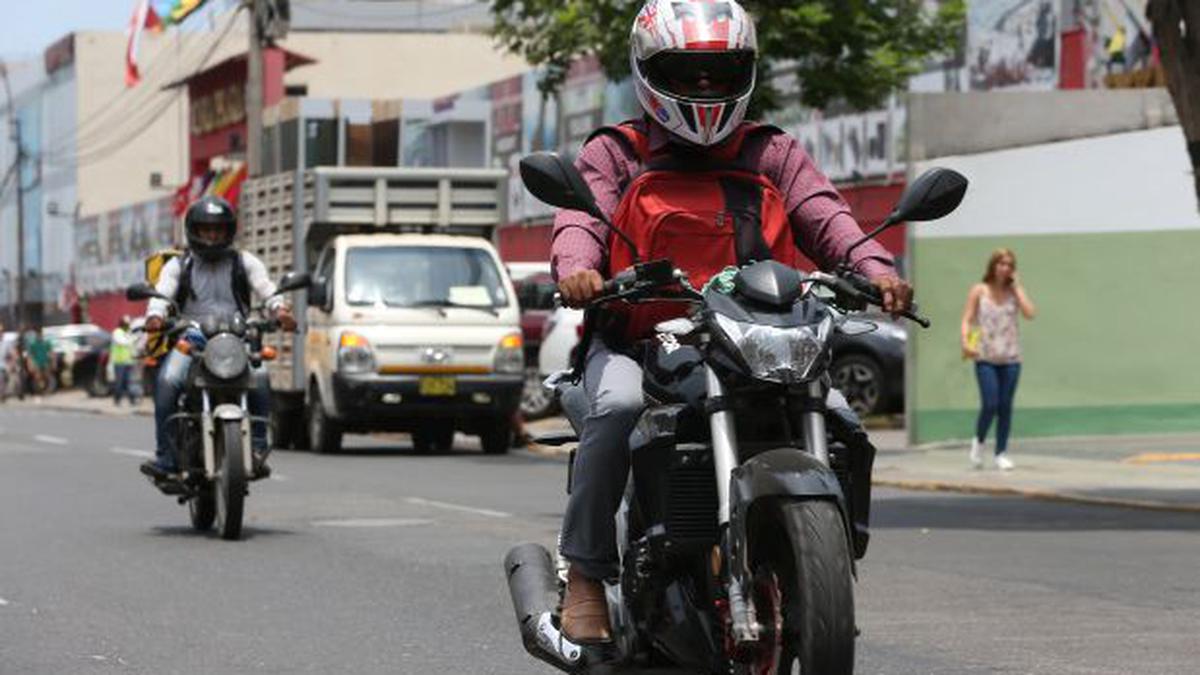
[
  {"x": 241, "y": 283},
  {"x": 184, "y": 291},
  {"x": 631, "y": 134}
]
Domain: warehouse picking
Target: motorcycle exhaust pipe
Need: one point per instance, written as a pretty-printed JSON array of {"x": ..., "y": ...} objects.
[{"x": 534, "y": 589}]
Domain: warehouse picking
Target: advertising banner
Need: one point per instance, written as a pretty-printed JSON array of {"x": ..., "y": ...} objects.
[
  {"x": 1013, "y": 44},
  {"x": 111, "y": 248}
]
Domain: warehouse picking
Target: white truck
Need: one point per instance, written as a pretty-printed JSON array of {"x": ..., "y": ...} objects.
[{"x": 411, "y": 323}]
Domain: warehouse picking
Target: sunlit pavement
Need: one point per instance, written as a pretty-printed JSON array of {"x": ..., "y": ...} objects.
[{"x": 382, "y": 561}]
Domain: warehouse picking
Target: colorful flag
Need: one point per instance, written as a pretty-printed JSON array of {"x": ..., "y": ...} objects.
[{"x": 143, "y": 17}]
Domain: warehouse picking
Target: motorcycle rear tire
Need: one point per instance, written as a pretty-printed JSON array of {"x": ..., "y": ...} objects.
[
  {"x": 818, "y": 590},
  {"x": 231, "y": 479},
  {"x": 203, "y": 509}
]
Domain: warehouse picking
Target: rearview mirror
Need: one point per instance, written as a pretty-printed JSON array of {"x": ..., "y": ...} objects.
[
  {"x": 934, "y": 195},
  {"x": 293, "y": 281},
  {"x": 555, "y": 181},
  {"x": 142, "y": 291}
]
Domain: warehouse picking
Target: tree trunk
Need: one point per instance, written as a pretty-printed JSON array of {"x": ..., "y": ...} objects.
[{"x": 1177, "y": 33}]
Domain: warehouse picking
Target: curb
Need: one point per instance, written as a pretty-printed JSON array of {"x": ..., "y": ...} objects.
[
  {"x": 1029, "y": 493},
  {"x": 84, "y": 411}
]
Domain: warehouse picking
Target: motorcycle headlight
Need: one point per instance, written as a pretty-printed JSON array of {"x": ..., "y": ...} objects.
[
  {"x": 510, "y": 354},
  {"x": 783, "y": 355},
  {"x": 225, "y": 357}
]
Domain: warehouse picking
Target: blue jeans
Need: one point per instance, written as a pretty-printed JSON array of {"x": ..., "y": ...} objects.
[
  {"x": 123, "y": 385},
  {"x": 997, "y": 387},
  {"x": 172, "y": 378}
]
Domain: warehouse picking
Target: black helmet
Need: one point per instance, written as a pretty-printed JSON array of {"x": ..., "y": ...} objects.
[{"x": 210, "y": 210}]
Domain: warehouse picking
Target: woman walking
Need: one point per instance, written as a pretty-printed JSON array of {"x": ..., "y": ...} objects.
[{"x": 990, "y": 337}]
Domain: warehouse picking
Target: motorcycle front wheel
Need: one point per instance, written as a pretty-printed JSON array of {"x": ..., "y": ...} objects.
[
  {"x": 814, "y": 572},
  {"x": 231, "y": 479}
]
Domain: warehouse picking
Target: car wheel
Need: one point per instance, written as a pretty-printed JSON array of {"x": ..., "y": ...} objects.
[
  {"x": 860, "y": 379},
  {"x": 536, "y": 402}
]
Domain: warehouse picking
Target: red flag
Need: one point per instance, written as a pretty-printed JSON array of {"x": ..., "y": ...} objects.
[{"x": 143, "y": 17}]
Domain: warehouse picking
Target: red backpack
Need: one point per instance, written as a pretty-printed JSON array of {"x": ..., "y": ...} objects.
[{"x": 704, "y": 212}]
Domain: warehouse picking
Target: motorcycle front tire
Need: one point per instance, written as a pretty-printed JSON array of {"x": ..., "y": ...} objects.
[
  {"x": 231, "y": 479},
  {"x": 814, "y": 568}
]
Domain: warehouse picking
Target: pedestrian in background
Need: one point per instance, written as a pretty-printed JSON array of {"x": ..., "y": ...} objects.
[
  {"x": 39, "y": 355},
  {"x": 991, "y": 337},
  {"x": 121, "y": 353}
]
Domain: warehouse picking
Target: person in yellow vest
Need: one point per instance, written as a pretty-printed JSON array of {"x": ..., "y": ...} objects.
[{"x": 122, "y": 353}]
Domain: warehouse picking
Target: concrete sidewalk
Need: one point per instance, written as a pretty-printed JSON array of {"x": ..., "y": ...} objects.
[
  {"x": 1147, "y": 472},
  {"x": 74, "y": 400}
]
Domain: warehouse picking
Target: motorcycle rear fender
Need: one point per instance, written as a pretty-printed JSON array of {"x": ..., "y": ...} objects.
[{"x": 782, "y": 473}]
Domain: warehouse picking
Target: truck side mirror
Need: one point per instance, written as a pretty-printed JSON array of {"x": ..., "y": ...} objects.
[
  {"x": 318, "y": 293},
  {"x": 293, "y": 281}
]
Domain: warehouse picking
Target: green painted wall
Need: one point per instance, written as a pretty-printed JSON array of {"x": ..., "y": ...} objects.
[{"x": 1114, "y": 348}]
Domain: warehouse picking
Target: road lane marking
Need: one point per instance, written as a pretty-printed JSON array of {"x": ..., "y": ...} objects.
[
  {"x": 457, "y": 507},
  {"x": 280, "y": 477},
  {"x": 372, "y": 522},
  {"x": 52, "y": 440},
  {"x": 142, "y": 454},
  {"x": 3, "y": 602},
  {"x": 1162, "y": 457}
]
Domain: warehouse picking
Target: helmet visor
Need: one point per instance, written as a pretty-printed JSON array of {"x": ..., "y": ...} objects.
[{"x": 701, "y": 75}]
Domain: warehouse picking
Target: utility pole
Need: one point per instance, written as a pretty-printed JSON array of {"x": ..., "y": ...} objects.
[
  {"x": 269, "y": 20},
  {"x": 18, "y": 165},
  {"x": 254, "y": 91}
]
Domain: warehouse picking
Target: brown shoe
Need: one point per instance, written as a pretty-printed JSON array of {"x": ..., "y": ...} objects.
[{"x": 584, "y": 610}]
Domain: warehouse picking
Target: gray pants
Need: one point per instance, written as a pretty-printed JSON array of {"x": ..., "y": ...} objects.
[{"x": 613, "y": 385}]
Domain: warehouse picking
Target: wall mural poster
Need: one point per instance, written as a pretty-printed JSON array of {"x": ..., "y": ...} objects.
[
  {"x": 1121, "y": 37},
  {"x": 1012, "y": 44},
  {"x": 110, "y": 249}
]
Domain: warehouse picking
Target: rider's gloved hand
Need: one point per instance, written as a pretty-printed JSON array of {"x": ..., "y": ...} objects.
[
  {"x": 580, "y": 288},
  {"x": 285, "y": 318},
  {"x": 897, "y": 294}
]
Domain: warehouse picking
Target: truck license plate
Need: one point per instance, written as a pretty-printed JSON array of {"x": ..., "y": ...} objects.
[{"x": 437, "y": 386}]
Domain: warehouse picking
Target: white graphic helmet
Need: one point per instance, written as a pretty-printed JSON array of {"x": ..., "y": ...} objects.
[{"x": 694, "y": 66}]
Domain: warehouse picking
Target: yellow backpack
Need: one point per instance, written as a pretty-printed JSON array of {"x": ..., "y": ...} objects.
[{"x": 156, "y": 343}]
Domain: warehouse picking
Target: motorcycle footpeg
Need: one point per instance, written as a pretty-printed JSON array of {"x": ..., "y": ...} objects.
[{"x": 170, "y": 487}]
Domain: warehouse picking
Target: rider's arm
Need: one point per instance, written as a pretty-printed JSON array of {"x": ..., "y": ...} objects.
[
  {"x": 260, "y": 281},
  {"x": 820, "y": 218},
  {"x": 168, "y": 285},
  {"x": 580, "y": 240}
]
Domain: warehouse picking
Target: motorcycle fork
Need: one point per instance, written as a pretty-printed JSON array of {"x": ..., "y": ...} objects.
[
  {"x": 725, "y": 458},
  {"x": 206, "y": 433}
]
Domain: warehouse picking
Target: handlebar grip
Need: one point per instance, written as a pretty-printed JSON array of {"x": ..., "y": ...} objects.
[{"x": 610, "y": 287}]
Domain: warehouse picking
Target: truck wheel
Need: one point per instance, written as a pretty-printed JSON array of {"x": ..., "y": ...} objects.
[
  {"x": 324, "y": 434},
  {"x": 497, "y": 438}
]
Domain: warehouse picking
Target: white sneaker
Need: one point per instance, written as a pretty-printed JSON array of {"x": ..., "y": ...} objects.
[
  {"x": 976, "y": 453},
  {"x": 1004, "y": 463}
]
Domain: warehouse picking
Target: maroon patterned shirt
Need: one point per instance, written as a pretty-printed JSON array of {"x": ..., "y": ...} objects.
[{"x": 820, "y": 218}]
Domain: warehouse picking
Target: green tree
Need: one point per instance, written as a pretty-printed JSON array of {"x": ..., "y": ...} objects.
[
  {"x": 856, "y": 51},
  {"x": 1177, "y": 33}
]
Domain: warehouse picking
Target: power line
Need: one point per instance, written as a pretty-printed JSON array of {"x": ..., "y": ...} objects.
[
  {"x": 144, "y": 120},
  {"x": 118, "y": 108}
]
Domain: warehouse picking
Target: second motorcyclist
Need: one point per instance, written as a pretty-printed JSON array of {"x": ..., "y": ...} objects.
[
  {"x": 212, "y": 278},
  {"x": 694, "y": 72}
]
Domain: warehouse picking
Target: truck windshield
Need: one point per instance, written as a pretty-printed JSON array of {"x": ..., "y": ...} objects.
[{"x": 423, "y": 276}]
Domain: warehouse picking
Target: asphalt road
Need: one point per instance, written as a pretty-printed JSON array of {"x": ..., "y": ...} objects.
[{"x": 380, "y": 561}]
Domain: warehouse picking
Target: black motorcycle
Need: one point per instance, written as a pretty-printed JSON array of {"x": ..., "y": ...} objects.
[
  {"x": 212, "y": 429},
  {"x": 748, "y": 501}
]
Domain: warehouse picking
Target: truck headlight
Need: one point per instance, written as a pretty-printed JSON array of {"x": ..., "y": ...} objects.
[
  {"x": 510, "y": 355},
  {"x": 354, "y": 354}
]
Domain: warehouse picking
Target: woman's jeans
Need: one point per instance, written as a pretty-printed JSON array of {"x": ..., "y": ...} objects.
[
  {"x": 997, "y": 386},
  {"x": 172, "y": 378}
]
